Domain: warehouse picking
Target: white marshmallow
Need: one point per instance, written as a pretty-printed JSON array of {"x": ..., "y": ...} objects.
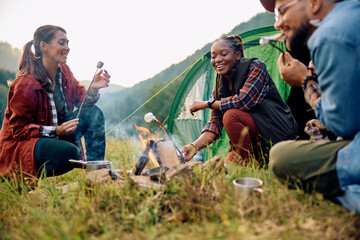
[{"x": 149, "y": 117}]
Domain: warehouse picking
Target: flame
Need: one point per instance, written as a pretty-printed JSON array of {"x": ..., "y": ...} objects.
[
  {"x": 145, "y": 142},
  {"x": 153, "y": 159},
  {"x": 143, "y": 131}
]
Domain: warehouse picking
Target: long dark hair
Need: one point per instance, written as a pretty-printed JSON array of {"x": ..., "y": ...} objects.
[
  {"x": 30, "y": 62},
  {"x": 237, "y": 44}
]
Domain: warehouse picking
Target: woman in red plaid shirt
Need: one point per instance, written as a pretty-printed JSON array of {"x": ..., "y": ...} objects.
[{"x": 246, "y": 102}]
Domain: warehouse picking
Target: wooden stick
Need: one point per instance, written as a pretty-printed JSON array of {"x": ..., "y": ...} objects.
[
  {"x": 98, "y": 66},
  {"x": 272, "y": 44}
]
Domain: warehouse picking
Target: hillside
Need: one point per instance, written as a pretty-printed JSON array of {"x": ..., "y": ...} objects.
[
  {"x": 117, "y": 107},
  {"x": 5, "y": 75},
  {"x": 9, "y": 57},
  {"x": 130, "y": 99}
]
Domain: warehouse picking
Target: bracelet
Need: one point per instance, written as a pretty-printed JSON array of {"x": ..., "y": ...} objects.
[
  {"x": 194, "y": 147},
  {"x": 307, "y": 78}
]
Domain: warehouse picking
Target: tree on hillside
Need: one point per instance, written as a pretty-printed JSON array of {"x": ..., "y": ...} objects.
[
  {"x": 3, "y": 99},
  {"x": 118, "y": 105},
  {"x": 161, "y": 104},
  {"x": 4, "y": 77},
  {"x": 9, "y": 57}
]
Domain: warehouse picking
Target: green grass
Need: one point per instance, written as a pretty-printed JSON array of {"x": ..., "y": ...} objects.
[{"x": 198, "y": 205}]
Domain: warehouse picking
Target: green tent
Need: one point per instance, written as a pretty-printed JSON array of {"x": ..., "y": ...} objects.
[{"x": 199, "y": 83}]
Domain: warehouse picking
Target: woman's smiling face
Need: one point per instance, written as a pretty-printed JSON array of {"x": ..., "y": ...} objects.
[
  {"x": 57, "y": 49},
  {"x": 223, "y": 57}
]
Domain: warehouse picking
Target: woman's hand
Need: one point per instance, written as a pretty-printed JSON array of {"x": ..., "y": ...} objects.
[
  {"x": 101, "y": 80},
  {"x": 198, "y": 105},
  {"x": 67, "y": 128},
  {"x": 188, "y": 151}
]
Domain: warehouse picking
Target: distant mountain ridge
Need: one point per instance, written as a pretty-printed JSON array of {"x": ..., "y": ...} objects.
[
  {"x": 124, "y": 104},
  {"x": 9, "y": 57},
  {"x": 119, "y": 102}
]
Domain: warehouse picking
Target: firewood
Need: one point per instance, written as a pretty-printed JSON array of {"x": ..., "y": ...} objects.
[
  {"x": 146, "y": 182},
  {"x": 172, "y": 172},
  {"x": 191, "y": 164},
  {"x": 216, "y": 161},
  {"x": 158, "y": 173},
  {"x": 167, "y": 154},
  {"x": 40, "y": 196},
  {"x": 99, "y": 176}
]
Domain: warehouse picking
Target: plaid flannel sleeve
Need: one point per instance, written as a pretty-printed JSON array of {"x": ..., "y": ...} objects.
[
  {"x": 253, "y": 91},
  {"x": 50, "y": 131},
  {"x": 214, "y": 124}
]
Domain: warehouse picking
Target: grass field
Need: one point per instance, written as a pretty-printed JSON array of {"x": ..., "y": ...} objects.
[{"x": 200, "y": 205}]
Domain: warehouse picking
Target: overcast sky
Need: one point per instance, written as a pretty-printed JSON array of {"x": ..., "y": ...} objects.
[{"x": 135, "y": 39}]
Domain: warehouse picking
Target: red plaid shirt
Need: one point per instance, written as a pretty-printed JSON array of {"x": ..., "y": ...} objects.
[{"x": 254, "y": 91}]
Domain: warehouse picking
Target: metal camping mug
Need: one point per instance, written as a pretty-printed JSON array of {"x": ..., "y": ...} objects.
[
  {"x": 95, "y": 165},
  {"x": 245, "y": 186}
]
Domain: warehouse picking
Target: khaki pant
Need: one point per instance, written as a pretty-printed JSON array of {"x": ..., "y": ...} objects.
[{"x": 308, "y": 165}]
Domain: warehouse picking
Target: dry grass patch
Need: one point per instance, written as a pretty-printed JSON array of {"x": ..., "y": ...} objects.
[{"x": 197, "y": 205}]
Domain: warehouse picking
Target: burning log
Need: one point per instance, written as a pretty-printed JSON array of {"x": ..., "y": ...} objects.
[
  {"x": 167, "y": 154},
  {"x": 158, "y": 173},
  {"x": 162, "y": 153},
  {"x": 149, "y": 117},
  {"x": 168, "y": 158},
  {"x": 146, "y": 156}
]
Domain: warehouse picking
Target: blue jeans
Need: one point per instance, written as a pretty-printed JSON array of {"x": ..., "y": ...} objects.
[
  {"x": 52, "y": 155},
  {"x": 92, "y": 127}
]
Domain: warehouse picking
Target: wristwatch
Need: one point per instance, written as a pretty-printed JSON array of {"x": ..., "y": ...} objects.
[{"x": 211, "y": 101}]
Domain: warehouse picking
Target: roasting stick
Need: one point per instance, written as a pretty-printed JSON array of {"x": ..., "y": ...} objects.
[
  {"x": 149, "y": 117},
  {"x": 277, "y": 37},
  {"x": 98, "y": 66},
  {"x": 272, "y": 44}
]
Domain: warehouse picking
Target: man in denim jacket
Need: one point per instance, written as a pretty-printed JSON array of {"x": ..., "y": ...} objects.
[{"x": 331, "y": 85}]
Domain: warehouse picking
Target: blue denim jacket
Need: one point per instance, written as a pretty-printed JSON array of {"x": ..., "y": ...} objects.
[{"x": 335, "y": 51}]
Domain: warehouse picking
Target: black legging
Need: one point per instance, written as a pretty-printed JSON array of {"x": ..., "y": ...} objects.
[
  {"x": 52, "y": 156},
  {"x": 54, "y": 153}
]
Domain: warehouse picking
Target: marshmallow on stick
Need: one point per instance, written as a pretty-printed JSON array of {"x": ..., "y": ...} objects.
[
  {"x": 149, "y": 117},
  {"x": 280, "y": 37},
  {"x": 98, "y": 66}
]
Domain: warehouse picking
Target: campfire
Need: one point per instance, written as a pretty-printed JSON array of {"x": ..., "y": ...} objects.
[
  {"x": 147, "y": 151},
  {"x": 164, "y": 156},
  {"x": 160, "y": 160},
  {"x": 162, "y": 153}
]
